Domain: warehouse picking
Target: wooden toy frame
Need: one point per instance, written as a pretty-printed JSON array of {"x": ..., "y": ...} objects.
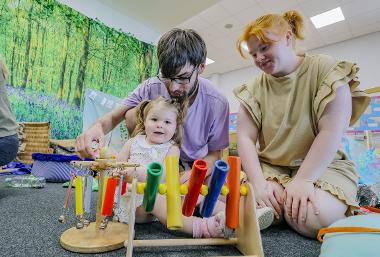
[
  {"x": 91, "y": 239},
  {"x": 247, "y": 240}
]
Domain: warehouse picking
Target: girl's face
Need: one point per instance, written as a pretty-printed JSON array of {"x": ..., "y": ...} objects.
[
  {"x": 160, "y": 124},
  {"x": 270, "y": 57}
]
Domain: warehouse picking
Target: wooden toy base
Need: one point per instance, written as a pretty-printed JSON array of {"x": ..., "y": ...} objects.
[
  {"x": 248, "y": 240},
  {"x": 92, "y": 240}
]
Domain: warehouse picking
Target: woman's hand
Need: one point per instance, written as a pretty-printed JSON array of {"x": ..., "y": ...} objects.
[
  {"x": 267, "y": 194},
  {"x": 296, "y": 197}
]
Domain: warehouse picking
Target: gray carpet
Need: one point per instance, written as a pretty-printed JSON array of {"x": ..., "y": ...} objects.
[{"x": 29, "y": 227}]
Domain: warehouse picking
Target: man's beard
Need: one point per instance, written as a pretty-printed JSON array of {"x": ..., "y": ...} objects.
[
  {"x": 179, "y": 98},
  {"x": 185, "y": 97}
]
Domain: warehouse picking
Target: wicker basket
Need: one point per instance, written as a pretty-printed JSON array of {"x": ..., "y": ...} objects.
[{"x": 36, "y": 138}]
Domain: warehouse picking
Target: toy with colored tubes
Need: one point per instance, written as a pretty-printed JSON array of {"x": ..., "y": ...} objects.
[
  {"x": 101, "y": 235},
  {"x": 240, "y": 211}
]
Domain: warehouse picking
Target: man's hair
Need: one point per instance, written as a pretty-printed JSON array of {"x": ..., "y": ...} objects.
[{"x": 178, "y": 47}]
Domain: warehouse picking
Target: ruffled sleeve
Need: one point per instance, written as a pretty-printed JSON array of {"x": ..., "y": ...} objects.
[
  {"x": 341, "y": 74},
  {"x": 245, "y": 96}
]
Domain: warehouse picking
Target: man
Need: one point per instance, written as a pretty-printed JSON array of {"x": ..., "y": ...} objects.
[{"x": 181, "y": 58}]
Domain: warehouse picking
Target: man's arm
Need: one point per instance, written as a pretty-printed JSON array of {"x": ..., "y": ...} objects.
[
  {"x": 130, "y": 119},
  {"x": 110, "y": 120},
  {"x": 98, "y": 130},
  {"x": 211, "y": 158}
]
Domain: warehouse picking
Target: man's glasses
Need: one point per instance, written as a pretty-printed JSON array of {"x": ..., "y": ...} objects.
[{"x": 179, "y": 81}]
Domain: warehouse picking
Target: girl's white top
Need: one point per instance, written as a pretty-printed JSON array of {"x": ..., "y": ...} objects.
[{"x": 143, "y": 153}]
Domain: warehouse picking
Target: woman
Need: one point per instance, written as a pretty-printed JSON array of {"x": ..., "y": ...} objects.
[
  {"x": 8, "y": 124},
  {"x": 297, "y": 111}
]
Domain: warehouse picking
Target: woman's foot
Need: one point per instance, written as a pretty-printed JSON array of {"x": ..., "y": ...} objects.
[
  {"x": 265, "y": 217},
  {"x": 209, "y": 227}
]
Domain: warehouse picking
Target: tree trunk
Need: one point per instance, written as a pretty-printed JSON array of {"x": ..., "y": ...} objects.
[
  {"x": 15, "y": 39},
  {"x": 105, "y": 63},
  {"x": 145, "y": 62},
  {"x": 63, "y": 66},
  {"x": 28, "y": 47},
  {"x": 70, "y": 80},
  {"x": 34, "y": 57},
  {"x": 41, "y": 62},
  {"x": 82, "y": 64}
]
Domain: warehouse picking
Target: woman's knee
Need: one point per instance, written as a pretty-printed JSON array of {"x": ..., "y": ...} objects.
[
  {"x": 330, "y": 210},
  {"x": 308, "y": 227},
  {"x": 8, "y": 149}
]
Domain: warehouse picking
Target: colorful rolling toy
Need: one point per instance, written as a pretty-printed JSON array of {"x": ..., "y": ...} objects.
[
  {"x": 108, "y": 201},
  {"x": 87, "y": 200},
  {"x": 152, "y": 182},
  {"x": 217, "y": 180},
  {"x": 233, "y": 197},
  {"x": 198, "y": 174},
  {"x": 173, "y": 196},
  {"x": 64, "y": 215},
  {"x": 79, "y": 201}
]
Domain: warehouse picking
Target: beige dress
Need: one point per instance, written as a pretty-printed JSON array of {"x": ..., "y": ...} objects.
[{"x": 286, "y": 110}]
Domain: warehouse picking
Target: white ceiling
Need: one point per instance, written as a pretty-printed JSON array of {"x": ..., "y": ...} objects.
[
  {"x": 209, "y": 18},
  {"x": 159, "y": 15}
]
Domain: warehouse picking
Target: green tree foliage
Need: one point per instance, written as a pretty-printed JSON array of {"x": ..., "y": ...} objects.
[{"x": 54, "y": 50}]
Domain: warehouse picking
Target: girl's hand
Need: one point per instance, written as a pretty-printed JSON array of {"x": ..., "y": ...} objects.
[
  {"x": 267, "y": 194},
  {"x": 128, "y": 173},
  {"x": 141, "y": 173},
  {"x": 296, "y": 197}
]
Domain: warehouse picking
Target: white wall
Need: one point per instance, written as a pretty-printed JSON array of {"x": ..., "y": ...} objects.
[
  {"x": 114, "y": 19},
  {"x": 364, "y": 50}
]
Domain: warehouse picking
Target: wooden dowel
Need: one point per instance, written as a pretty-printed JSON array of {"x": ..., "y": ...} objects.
[
  {"x": 99, "y": 217},
  {"x": 122, "y": 164},
  {"x": 95, "y": 164},
  {"x": 184, "y": 242}
]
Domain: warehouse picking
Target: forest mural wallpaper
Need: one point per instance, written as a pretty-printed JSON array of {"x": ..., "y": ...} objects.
[{"x": 54, "y": 53}]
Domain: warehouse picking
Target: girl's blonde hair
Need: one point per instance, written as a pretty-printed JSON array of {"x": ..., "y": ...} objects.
[
  {"x": 145, "y": 106},
  {"x": 3, "y": 68},
  {"x": 276, "y": 23}
]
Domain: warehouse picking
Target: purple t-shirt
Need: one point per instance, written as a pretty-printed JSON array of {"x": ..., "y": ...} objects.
[{"x": 207, "y": 119}]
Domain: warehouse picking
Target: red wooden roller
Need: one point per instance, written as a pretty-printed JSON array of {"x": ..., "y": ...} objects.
[
  {"x": 198, "y": 173},
  {"x": 109, "y": 196}
]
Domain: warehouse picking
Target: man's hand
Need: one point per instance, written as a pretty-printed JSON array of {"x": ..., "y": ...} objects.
[{"x": 88, "y": 143}]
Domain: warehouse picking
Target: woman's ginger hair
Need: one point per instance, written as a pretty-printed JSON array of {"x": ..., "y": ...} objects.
[
  {"x": 145, "y": 106},
  {"x": 3, "y": 68},
  {"x": 276, "y": 23}
]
